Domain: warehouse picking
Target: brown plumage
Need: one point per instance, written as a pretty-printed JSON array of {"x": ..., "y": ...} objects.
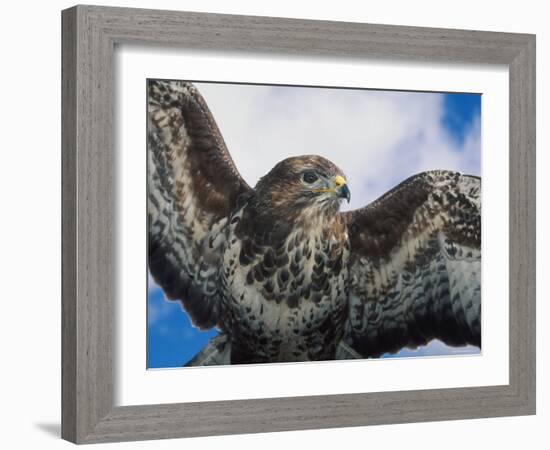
[{"x": 280, "y": 271}]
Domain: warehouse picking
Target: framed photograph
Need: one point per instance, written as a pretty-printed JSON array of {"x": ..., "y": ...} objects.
[
  {"x": 267, "y": 222},
  {"x": 382, "y": 138}
]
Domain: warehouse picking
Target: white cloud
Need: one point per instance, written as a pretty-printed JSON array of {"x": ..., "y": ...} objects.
[
  {"x": 377, "y": 138},
  {"x": 159, "y": 307},
  {"x": 434, "y": 348},
  {"x": 152, "y": 287}
]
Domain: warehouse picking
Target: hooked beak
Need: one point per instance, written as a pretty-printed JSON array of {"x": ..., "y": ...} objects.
[{"x": 342, "y": 188}]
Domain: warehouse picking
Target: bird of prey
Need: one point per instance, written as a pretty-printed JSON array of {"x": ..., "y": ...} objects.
[{"x": 281, "y": 272}]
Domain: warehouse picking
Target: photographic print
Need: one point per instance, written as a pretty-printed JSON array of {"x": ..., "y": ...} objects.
[{"x": 294, "y": 224}]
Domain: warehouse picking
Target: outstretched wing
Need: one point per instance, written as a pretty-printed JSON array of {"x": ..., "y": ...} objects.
[
  {"x": 415, "y": 268},
  {"x": 193, "y": 186}
]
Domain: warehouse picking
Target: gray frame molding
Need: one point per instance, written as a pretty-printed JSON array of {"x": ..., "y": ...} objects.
[{"x": 89, "y": 36}]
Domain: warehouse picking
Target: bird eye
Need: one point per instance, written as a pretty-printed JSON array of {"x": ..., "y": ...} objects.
[{"x": 310, "y": 177}]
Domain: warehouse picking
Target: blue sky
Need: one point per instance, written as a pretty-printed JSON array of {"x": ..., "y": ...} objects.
[
  {"x": 378, "y": 138},
  {"x": 460, "y": 112},
  {"x": 171, "y": 339}
]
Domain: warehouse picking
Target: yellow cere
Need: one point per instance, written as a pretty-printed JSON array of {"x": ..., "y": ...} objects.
[{"x": 339, "y": 181}]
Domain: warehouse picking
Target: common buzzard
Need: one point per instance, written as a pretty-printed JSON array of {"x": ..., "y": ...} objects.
[{"x": 281, "y": 272}]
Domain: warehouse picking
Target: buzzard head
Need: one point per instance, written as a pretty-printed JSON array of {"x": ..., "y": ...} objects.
[{"x": 304, "y": 185}]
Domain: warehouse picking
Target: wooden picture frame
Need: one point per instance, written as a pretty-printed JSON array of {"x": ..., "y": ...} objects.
[{"x": 90, "y": 34}]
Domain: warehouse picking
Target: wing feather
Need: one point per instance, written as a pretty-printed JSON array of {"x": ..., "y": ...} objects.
[
  {"x": 415, "y": 265},
  {"x": 193, "y": 186}
]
